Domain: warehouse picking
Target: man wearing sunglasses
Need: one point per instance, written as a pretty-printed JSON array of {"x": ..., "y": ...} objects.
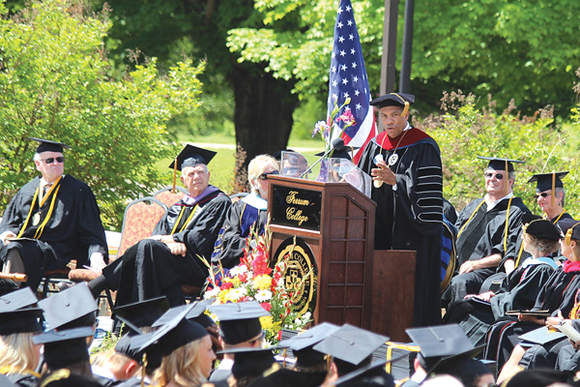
[
  {"x": 488, "y": 230},
  {"x": 52, "y": 219}
]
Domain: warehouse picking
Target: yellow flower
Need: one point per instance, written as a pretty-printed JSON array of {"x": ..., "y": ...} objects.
[
  {"x": 223, "y": 296},
  {"x": 266, "y": 322},
  {"x": 262, "y": 282}
]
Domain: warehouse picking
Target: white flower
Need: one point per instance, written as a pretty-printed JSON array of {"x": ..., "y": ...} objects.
[
  {"x": 236, "y": 294},
  {"x": 263, "y": 295},
  {"x": 240, "y": 269},
  {"x": 211, "y": 293}
]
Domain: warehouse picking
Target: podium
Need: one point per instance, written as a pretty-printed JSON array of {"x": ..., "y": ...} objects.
[{"x": 326, "y": 230}]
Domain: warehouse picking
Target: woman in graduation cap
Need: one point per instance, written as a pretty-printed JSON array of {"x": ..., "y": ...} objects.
[
  {"x": 19, "y": 356},
  {"x": 246, "y": 215}
]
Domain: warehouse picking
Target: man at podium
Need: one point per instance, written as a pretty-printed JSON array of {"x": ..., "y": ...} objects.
[{"x": 405, "y": 164}]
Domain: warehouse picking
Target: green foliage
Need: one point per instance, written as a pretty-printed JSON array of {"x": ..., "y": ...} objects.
[
  {"x": 525, "y": 50},
  {"x": 55, "y": 83},
  {"x": 464, "y": 131}
]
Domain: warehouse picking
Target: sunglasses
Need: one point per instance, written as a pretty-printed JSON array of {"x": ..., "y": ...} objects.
[
  {"x": 489, "y": 175},
  {"x": 264, "y": 176},
  {"x": 543, "y": 194},
  {"x": 51, "y": 160}
]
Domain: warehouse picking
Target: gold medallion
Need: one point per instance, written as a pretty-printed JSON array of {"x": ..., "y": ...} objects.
[{"x": 36, "y": 219}]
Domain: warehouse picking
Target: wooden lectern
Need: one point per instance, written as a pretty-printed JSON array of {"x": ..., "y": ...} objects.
[{"x": 332, "y": 225}]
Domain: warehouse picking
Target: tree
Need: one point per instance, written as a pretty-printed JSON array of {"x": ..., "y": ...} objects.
[
  {"x": 55, "y": 83},
  {"x": 525, "y": 50},
  {"x": 262, "y": 104}
]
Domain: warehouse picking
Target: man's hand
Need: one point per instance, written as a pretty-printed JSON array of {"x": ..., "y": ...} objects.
[
  {"x": 468, "y": 267},
  {"x": 555, "y": 321},
  {"x": 483, "y": 296},
  {"x": 6, "y": 236},
  {"x": 509, "y": 266},
  {"x": 177, "y": 248},
  {"x": 383, "y": 173},
  {"x": 534, "y": 319}
]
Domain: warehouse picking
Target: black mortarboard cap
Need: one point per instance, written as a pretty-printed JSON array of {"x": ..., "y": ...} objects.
[
  {"x": 442, "y": 343},
  {"x": 574, "y": 231},
  {"x": 48, "y": 145},
  {"x": 195, "y": 311},
  {"x": 64, "y": 348},
  {"x": 17, "y": 299},
  {"x": 69, "y": 308},
  {"x": 542, "y": 336},
  {"x": 339, "y": 150},
  {"x": 239, "y": 322},
  {"x": 190, "y": 156},
  {"x": 28, "y": 320},
  {"x": 351, "y": 344},
  {"x": 142, "y": 313},
  {"x": 393, "y": 99},
  {"x": 124, "y": 347},
  {"x": 302, "y": 344},
  {"x": 251, "y": 362},
  {"x": 544, "y": 180},
  {"x": 543, "y": 229},
  {"x": 363, "y": 376},
  {"x": 498, "y": 164},
  {"x": 564, "y": 225},
  {"x": 174, "y": 334}
]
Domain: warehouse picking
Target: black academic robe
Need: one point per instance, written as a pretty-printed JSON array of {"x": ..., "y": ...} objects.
[
  {"x": 287, "y": 377},
  {"x": 568, "y": 358},
  {"x": 559, "y": 293},
  {"x": 148, "y": 269},
  {"x": 409, "y": 217},
  {"x": 73, "y": 229},
  {"x": 483, "y": 235},
  {"x": 519, "y": 291},
  {"x": 520, "y": 253},
  {"x": 21, "y": 380},
  {"x": 241, "y": 219}
]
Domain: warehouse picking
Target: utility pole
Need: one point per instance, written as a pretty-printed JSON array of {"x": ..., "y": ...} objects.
[
  {"x": 389, "y": 56},
  {"x": 405, "y": 77}
]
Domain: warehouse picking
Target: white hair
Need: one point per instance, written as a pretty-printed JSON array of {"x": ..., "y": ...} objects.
[{"x": 193, "y": 166}]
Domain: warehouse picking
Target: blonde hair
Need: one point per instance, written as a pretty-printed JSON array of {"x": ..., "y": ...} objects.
[
  {"x": 181, "y": 367},
  {"x": 18, "y": 353},
  {"x": 257, "y": 166},
  {"x": 543, "y": 247}
]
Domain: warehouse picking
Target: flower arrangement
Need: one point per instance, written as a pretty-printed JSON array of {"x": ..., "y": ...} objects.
[
  {"x": 255, "y": 279},
  {"x": 340, "y": 118}
]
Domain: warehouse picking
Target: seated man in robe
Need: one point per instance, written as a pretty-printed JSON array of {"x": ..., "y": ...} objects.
[
  {"x": 51, "y": 220},
  {"x": 488, "y": 229},
  {"x": 247, "y": 214},
  {"x": 179, "y": 252}
]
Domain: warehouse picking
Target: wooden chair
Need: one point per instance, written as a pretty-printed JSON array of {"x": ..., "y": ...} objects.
[
  {"x": 167, "y": 197},
  {"x": 139, "y": 221}
]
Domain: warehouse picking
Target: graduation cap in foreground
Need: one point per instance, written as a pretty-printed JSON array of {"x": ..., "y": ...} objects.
[
  {"x": 28, "y": 320},
  {"x": 251, "y": 362},
  {"x": 542, "y": 229},
  {"x": 302, "y": 344},
  {"x": 70, "y": 308},
  {"x": 17, "y": 299},
  {"x": 403, "y": 100},
  {"x": 48, "y": 145},
  {"x": 500, "y": 164},
  {"x": 240, "y": 322},
  {"x": 351, "y": 344},
  {"x": 63, "y": 348},
  {"x": 174, "y": 334},
  {"x": 339, "y": 150},
  {"x": 190, "y": 156},
  {"x": 442, "y": 344},
  {"x": 371, "y": 375},
  {"x": 198, "y": 309},
  {"x": 142, "y": 313}
]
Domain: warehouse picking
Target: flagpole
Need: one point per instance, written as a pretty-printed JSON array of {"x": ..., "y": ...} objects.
[{"x": 389, "y": 57}]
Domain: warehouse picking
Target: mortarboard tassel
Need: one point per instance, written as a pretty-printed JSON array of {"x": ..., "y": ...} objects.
[
  {"x": 553, "y": 187},
  {"x": 174, "y": 174}
]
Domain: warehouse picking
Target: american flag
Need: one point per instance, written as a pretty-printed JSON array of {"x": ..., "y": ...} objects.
[{"x": 348, "y": 78}]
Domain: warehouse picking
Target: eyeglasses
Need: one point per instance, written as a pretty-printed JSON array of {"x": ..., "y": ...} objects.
[
  {"x": 51, "y": 160},
  {"x": 264, "y": 176},
  {"x": 489, "y": 175},
  {"x": 543, "y": 194}
]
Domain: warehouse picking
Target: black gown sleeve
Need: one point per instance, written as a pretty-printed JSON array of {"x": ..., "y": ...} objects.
[
  {"x": 91, "y": 233},
  {"x": 14, "y": 215}
]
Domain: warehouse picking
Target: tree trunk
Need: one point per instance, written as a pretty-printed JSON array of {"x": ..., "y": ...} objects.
[{"x": 263, "y": 112}]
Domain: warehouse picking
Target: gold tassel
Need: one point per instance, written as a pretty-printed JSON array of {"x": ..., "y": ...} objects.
[
  {"x": 553, "y": 188},
  {"x": 174, "y": 175}
]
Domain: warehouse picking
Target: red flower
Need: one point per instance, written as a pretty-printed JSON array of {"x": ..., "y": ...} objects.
[
  {"x": 266, "y": 305},
  {"x": 226, "y": 285},
  {"x": 279, "y": 335}
]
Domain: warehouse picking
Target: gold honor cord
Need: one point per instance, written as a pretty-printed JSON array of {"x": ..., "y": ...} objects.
[
  {"x": 470, "y": 217},
  {"x": 186, "y": 222},
  {"x": 522, "y": 245},
  {"x": 507, "y": 218},
  {"x": 54, "y": 186}
]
